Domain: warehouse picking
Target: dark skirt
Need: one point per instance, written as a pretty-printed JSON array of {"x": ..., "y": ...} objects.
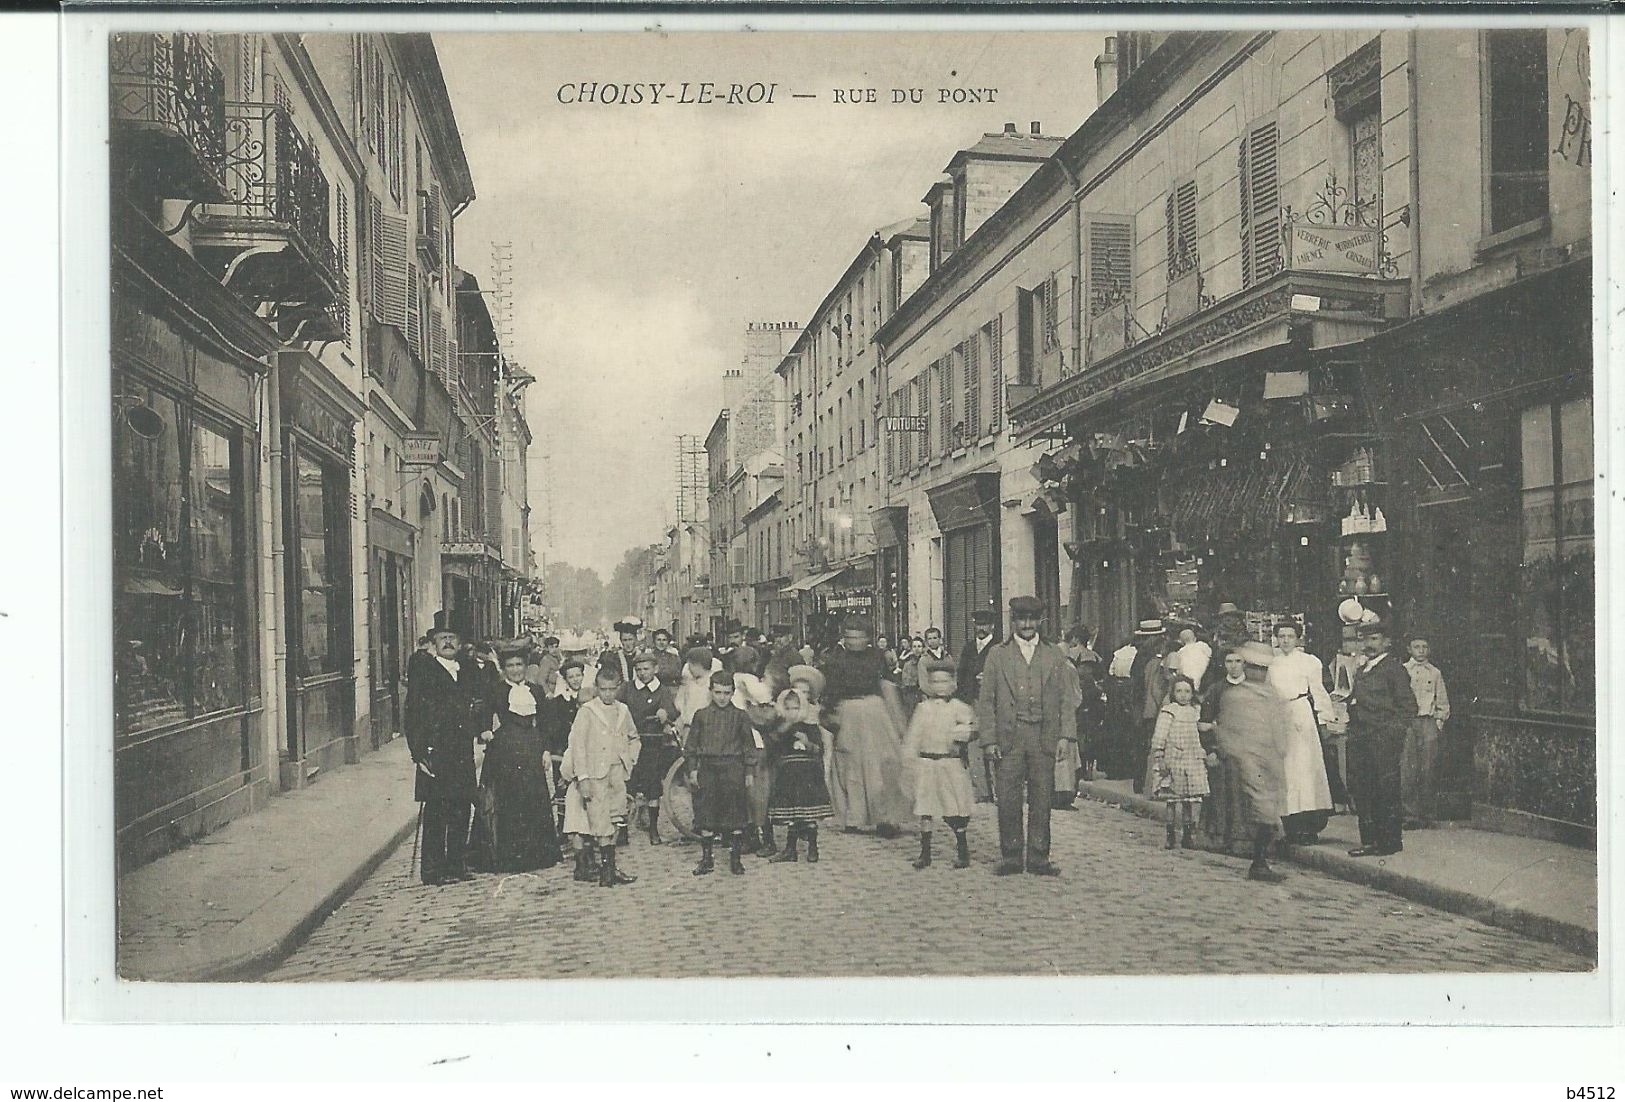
[
  {"x": 515, "y": 830},
  {"x": 799, "y": 792},
  {"x": 720, "y": 804},
  {"x": 654, "y": 761}
]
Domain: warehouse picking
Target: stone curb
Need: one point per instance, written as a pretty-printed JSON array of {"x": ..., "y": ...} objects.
[
  {"x": 265, "y": 940},
  {"x": 1568, "y": 935}
]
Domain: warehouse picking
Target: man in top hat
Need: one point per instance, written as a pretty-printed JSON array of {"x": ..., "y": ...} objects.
[
  {"x": 1026, "y": 706},
  {"x": 1380, "y": 708},
  {"x": 971, "y": 660},
  {"x": 622, "y": 658},
  {"x": 443, "y": 718}
]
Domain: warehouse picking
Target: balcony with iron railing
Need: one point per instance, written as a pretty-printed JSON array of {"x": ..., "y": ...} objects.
[
  {"x": 167, "y": 102},
  {"x": 269, "y": 240}
]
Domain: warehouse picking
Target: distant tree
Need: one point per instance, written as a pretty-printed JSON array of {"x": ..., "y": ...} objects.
[{"x": 576, "y": 595}]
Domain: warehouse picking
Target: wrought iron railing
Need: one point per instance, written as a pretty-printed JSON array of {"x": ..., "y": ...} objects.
[
  {"x": 272, "y": 173},
  {"x": 169, "y": 82}
]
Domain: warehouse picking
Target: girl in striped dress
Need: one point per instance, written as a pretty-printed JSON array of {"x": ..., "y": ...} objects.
[
  {"x": 1178, "y": 761},
  {"x": 800, "y": 798}
]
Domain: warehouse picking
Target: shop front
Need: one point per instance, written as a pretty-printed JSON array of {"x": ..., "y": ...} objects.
[
  {"x": 1495, "y": 459},
  {"x": 188, "y": 741},
  {"x": 394, "y": 624},
  {"x": 967, "y": 514},
  {"x": 318, "y": 423},
  {"x": 471, "y": 588},
  {"x": 891, "y": 569}
]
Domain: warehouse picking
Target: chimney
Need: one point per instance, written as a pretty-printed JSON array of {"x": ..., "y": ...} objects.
[
  {"x": 1010, "y": 129},
  {"x": 1106, "y": 71},
  {"x": 1035, "y": 129}
]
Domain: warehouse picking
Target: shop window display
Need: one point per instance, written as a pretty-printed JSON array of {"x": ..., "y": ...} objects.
[
  {"x": 179, "y": 606},
  {"x": 319, "y": 559},
  {"x": 1558, "y": 569}
]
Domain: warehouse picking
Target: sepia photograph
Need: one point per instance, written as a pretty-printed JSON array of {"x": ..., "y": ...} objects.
[{"x": 864, "y": 504}]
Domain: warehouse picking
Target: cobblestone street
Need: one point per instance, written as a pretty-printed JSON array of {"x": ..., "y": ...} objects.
[{"x": 1122, "y": 906}]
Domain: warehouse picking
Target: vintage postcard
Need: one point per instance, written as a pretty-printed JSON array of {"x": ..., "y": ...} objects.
[{"x": 875, "y": 502}]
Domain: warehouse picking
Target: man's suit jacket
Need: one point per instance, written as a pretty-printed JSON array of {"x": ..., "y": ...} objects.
[
  {"x": 1383, "y": 701},
  {"x": 970, "y": 668},
  {"x": 1054, "y": 694},
  {"x": 443, "y": 717}
]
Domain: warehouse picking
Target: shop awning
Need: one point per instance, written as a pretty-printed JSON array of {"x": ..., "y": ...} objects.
[
  {"x": 1312, "y": 311},
  {"x": 812, "y": 581}
]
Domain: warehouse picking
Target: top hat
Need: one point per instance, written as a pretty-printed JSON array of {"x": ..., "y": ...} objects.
[{"x": 443, "y": 625}]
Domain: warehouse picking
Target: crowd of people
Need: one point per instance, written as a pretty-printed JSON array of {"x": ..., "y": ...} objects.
[{"x": 770, "y": 738}]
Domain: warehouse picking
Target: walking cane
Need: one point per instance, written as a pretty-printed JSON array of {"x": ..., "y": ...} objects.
[{"x": 412, "y": 870}]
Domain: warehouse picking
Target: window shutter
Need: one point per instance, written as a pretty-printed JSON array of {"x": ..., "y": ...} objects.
[
  {"x": 414, "y": 320},
  {"x": 375, "y": 258},
  {"x": 1110, "y": 270},
  {"x": 972, "y": 354},
  {"x": 995, "y": 366},
  {"x": 358, "y": 80},
  {"x": 342, "y": 216},
  {"x": 943, "y": 390},
  {"x": 437, "y": 348},
  {"x": 1049, "y": 313},
  {"x": 1259, "y": 175}
]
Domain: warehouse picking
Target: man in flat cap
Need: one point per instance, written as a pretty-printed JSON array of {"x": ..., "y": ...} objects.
[
  {"x": 442, "y": 720},
  {"x": 1379, "y": 710},
  {"x": 1027, "y": 704},
  {"x": 736, "y": 657}
]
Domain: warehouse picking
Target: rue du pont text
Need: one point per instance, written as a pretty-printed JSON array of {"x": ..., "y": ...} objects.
[{"x": 655, "y": 93}]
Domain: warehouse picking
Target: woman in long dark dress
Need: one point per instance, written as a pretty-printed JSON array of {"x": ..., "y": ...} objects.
[{"x": 519, "y": 833}]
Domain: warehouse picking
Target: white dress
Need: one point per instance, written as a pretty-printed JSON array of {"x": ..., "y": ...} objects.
[{"x": 1297, "y": 680}]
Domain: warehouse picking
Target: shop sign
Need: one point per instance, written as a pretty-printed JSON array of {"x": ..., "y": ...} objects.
[
  {"x": 850, "y": 601},
  {"x": 906, "y": 424},
  {"x": 324, "y": 426},
  {"x": 465, "y": 549},
  {"x": 1349, "y": 249},
  {"x": 421, "y": 449}
]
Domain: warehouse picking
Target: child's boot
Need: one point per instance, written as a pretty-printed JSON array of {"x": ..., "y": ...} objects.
[
  {"x": 769, "y": 846},
  {"x": 616, "y": 876},
  {"x": 621, "y": 838},
  {"x": 581, "y": 874},
  {"x": 606, "y": 868},
  {"x": 1170, "y": 844},
  {"x": 751, "y": 842},
  {"x": 706, "y": 863},
  {"x": 736, "y": 864},
  {"x": 654, "y": 824},
  {"x": 812, "y": 843},
  {"x": 592, "y": 860},
  {"x": 924, "y": 859},
  {"x": 1186, "y": 841},
  {"x": 961, "y": 849},
  {"x": 789, "y": 853}
]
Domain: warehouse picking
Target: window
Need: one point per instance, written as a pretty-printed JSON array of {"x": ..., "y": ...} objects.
[
  {"x": 321, "y": 550},
  {"x": 1365, "y": 163},
  {"x": 1515, "y": 126},
  {"x": 1559, "y": 563},
  {"x": 1180, "y": 213},
  {"x": 1028, "y": 307},
  {"x": 179, "y": 612},
  {"x": 1258, "y": 173}
]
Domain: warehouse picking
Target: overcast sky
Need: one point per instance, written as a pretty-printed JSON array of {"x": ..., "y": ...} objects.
[{"x": 646, "y": 237}]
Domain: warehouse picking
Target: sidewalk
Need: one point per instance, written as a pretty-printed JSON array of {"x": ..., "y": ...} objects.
[
  {"x": 1540, "y": 889},
  {"x": 233, "y": 904}
]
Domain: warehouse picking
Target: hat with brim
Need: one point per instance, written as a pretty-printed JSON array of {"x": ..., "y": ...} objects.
[
  {"x": 1256, "y": 654},
  {"x": 982, "y": 616},
  {"x": 1227, "y": 608},
  {"x": 1026, "y": 606},
  {"x": 1373, "y": 627},
  {"x": 645, "y": 655},
  {"x": 442, "y": 625},
  {"x": 1149, "y": 628},
  {"x": 811, "y": 675},
  {"x": 750, "y": 689},
  {"x": 630, "y": 624}
]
